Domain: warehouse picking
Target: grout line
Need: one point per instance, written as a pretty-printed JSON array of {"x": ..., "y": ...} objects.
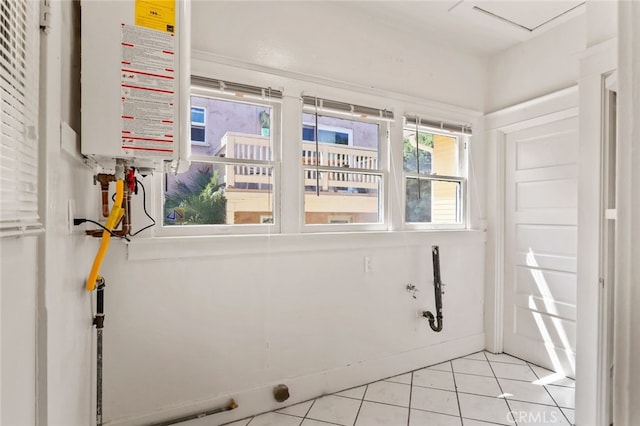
[
  {"x": 397, "y": 383},
  {"x": 410, "y": 396},
  {"x": 385, "y": 403},
  {"x": 559, "y": 386},
  {"x": 523, "y": 361},
  {"x": 285, "y": 414},
  {"x": 500, "y": 386},
  {"x": 483, "y": 421},
  {"x": 552, "y": 398},
  {"x": 455, "y": 386},
  {"x": 436, "y": 412},
  {"x": 347, "y": 397},
  {"x": 532, "y": 403},
  {"x": 539, "y": 366},
  {"x": 323, "y": 421},
  {"x": 433, "y": 387},
  {"x": 477, "y": 375},
  {"x": 361, "y": 402},
  {"x": 310, "y": 407}
]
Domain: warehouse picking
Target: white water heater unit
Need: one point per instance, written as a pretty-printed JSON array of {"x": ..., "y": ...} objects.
[{"x": 136, "y": 82}]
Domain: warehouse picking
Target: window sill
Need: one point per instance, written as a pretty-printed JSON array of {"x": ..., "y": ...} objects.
[{"x": 158, "y": 248}]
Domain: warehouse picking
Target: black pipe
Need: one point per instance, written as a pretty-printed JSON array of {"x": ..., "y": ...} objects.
[
  {"x": 232, "y": 406},
  {"x": 98, "y": 321},
  {"x": 437, "y": 286}
]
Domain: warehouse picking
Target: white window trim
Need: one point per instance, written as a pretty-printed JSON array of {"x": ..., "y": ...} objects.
[
  {"x": 289, "y": 174},
  {"x": 161, "y": 230},
  {"x": 437, "y": 225},
  {"x": 462, "y": 178},
  {"x": 382, "y": 172}
]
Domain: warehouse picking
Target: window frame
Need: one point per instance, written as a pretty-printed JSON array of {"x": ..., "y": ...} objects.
[
  {"x": 462, "y": 152},
  {"x": 382, "y": 171},
  {"x": 201, "y": 90},
  {"x": 202, "y": 125},
  {"x": 286, "y": 134},
  {"x": 325, "y": 127}
]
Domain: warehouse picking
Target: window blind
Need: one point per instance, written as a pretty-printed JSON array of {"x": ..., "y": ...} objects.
[
  {"x": 19, "y": 71},
  {"x": 236, "y": 89},
  {"x": 438, "y": 125},
  {"x": 311, "y": 103}
]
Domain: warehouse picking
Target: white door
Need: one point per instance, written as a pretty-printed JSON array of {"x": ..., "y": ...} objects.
[{"x": 541, "y": 199}]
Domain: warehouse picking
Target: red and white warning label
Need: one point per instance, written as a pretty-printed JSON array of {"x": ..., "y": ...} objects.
[{"x": 148, "y": 89}]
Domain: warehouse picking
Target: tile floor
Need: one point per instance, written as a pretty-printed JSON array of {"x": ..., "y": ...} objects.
[{"x": 478, "y": 389}]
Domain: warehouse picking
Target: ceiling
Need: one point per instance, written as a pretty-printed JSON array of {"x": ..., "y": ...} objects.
[{"x": 481, "y": 27}]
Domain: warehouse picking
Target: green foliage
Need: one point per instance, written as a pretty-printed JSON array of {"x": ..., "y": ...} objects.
[
  {"x": 201, "y": 197},
  {"x": 418, "y": 200},
  {"x": 264, "y": 120},
  {"x": 409, "y": 148},
  {"x": 418, "y": 191}
]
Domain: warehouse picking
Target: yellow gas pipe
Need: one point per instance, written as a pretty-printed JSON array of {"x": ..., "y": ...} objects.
[{"x": 114, "y": 218}]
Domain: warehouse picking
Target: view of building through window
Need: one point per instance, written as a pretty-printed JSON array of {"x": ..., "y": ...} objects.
[
  {"x": 198, "y": 125},
  {"x": 337, "y": 188},
  {"x": 231, "y": 180},
  {"x": 226, "y": 189}
]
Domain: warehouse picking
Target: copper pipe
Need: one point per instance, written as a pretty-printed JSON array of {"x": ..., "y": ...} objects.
[
  {"x": 125, "y": 223},
  {"x": 104, "y": 180}
]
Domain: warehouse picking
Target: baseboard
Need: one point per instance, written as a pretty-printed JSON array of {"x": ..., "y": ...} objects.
[{"x": 259, "y": 400}]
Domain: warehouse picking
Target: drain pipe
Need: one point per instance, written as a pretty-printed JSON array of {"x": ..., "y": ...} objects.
[
  {"x": 437, "y": 286},
  {"x": 232, "y": 406},
  {"x": 98, "y": 321}
]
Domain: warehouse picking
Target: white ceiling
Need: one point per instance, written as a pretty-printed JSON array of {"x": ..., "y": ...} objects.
[
  {"x": 527, "y": 15},
  {"x": 481, "y": 27}
]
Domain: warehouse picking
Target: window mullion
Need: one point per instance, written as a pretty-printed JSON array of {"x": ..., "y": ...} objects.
[
  {"x": 291, "y": 193},
  {"x": 396, "y": 193}
]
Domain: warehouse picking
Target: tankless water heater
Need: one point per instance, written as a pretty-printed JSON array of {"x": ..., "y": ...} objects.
[{"x": 135, "y": 83}]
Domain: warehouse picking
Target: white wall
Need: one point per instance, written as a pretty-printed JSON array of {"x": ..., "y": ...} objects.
[
  {"x": 18, "y": 294},
  {"x": 65, "y": 345},
  {"x": 602, "y": 21},
  {"x": 626, "y": 393},
  {"x": 185, "y": 332},
  {"x": 331, "y": 40},
  {"x": 537, "y": 67}
]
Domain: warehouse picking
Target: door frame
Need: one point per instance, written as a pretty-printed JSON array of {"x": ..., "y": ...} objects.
[
  {"x": 595, "y": 64},
  {"x": 546, "y": 109}
]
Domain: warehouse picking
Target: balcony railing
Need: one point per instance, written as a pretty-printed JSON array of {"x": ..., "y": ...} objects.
[{"x": 319, "y": 167}]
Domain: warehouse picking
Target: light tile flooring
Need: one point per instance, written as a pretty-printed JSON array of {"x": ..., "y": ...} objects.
[{"x": 478, "y": 389}]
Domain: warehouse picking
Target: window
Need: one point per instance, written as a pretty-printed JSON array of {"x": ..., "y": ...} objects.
[
  {"x": 19, "y": 64},
  {"x": 434, "y": 170},
  {"x": 326, "y": 133},
  {"x": 231, "y": 180},
  {"x": 342, "y": 165},
  {"x": 198, "y": 125},
  {"x": 340, "y": 162}
]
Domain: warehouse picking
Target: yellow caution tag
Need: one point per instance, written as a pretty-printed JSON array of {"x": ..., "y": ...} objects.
[{"x": 156, "y": 14}]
